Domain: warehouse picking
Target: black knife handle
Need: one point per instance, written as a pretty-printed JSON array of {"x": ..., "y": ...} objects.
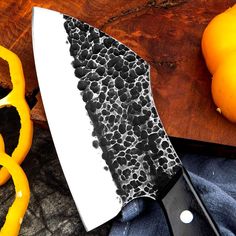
[{"x": 180, "y": 204}]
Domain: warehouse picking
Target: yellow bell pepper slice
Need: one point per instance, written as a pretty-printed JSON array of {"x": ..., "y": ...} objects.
[
  {"x": 16, "y": 98},
  {"x": 2, "y": 146},
  {"x": 17, "y": 211}
]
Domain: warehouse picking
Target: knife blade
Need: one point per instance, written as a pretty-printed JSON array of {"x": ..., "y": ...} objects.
[{"x": 98, "y": 101}]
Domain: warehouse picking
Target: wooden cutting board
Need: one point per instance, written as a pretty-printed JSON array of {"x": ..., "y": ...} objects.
[{"x": 167, "y": 34}]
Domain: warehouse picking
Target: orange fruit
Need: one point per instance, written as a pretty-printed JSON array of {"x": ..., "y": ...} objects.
[
  {"x": 224, "y": 87},
  {"x": 219, "y": 38},
  {"x": 219, "y": 51}
]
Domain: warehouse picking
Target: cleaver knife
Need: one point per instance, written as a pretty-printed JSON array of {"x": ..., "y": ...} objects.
[{"x": 108, "y": 135}]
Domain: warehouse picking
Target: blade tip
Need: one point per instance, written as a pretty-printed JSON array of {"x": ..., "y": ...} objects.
[{"x": 36, "y": 9}]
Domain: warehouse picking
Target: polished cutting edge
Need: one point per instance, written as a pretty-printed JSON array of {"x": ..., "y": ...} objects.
[
  {"x": 97, "y": 97},
  {"x": 91, "y": 186}
]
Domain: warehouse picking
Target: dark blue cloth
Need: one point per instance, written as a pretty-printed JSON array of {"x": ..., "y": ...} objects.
[{"x": 214, "y": 179}]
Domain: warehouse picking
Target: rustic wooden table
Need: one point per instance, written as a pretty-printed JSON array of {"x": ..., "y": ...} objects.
[{"x": 166, "y": 33}]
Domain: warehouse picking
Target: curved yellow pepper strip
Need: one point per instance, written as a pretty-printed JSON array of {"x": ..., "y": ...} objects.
[
  {"x": 16, "y": 98},
  {"x": 2, "y": 146},
  {"x": 17, "y": 211}
]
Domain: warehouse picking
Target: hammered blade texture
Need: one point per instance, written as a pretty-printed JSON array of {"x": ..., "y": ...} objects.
[{"x": 115, "y": 87}]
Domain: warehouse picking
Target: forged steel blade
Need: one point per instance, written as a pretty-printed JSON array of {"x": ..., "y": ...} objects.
[
  {"x": 101, "y": 113},
  {"x": 91, "y": 186}
]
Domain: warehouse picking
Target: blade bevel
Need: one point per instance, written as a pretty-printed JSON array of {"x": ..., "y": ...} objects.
[{"x": 92, "y": 187}]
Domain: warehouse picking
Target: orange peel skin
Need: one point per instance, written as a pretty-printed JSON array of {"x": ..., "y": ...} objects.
[
  {"x": 219, "y": 38},
  {"x": 219, "y": 51},
  {"x": 223, "y": 87}
]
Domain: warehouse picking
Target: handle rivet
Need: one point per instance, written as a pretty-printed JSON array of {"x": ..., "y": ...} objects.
[{"x": 186, "y": 216}]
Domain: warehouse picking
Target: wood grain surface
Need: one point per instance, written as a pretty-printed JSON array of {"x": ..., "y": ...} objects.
[{"x": 166, "y": 33}]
